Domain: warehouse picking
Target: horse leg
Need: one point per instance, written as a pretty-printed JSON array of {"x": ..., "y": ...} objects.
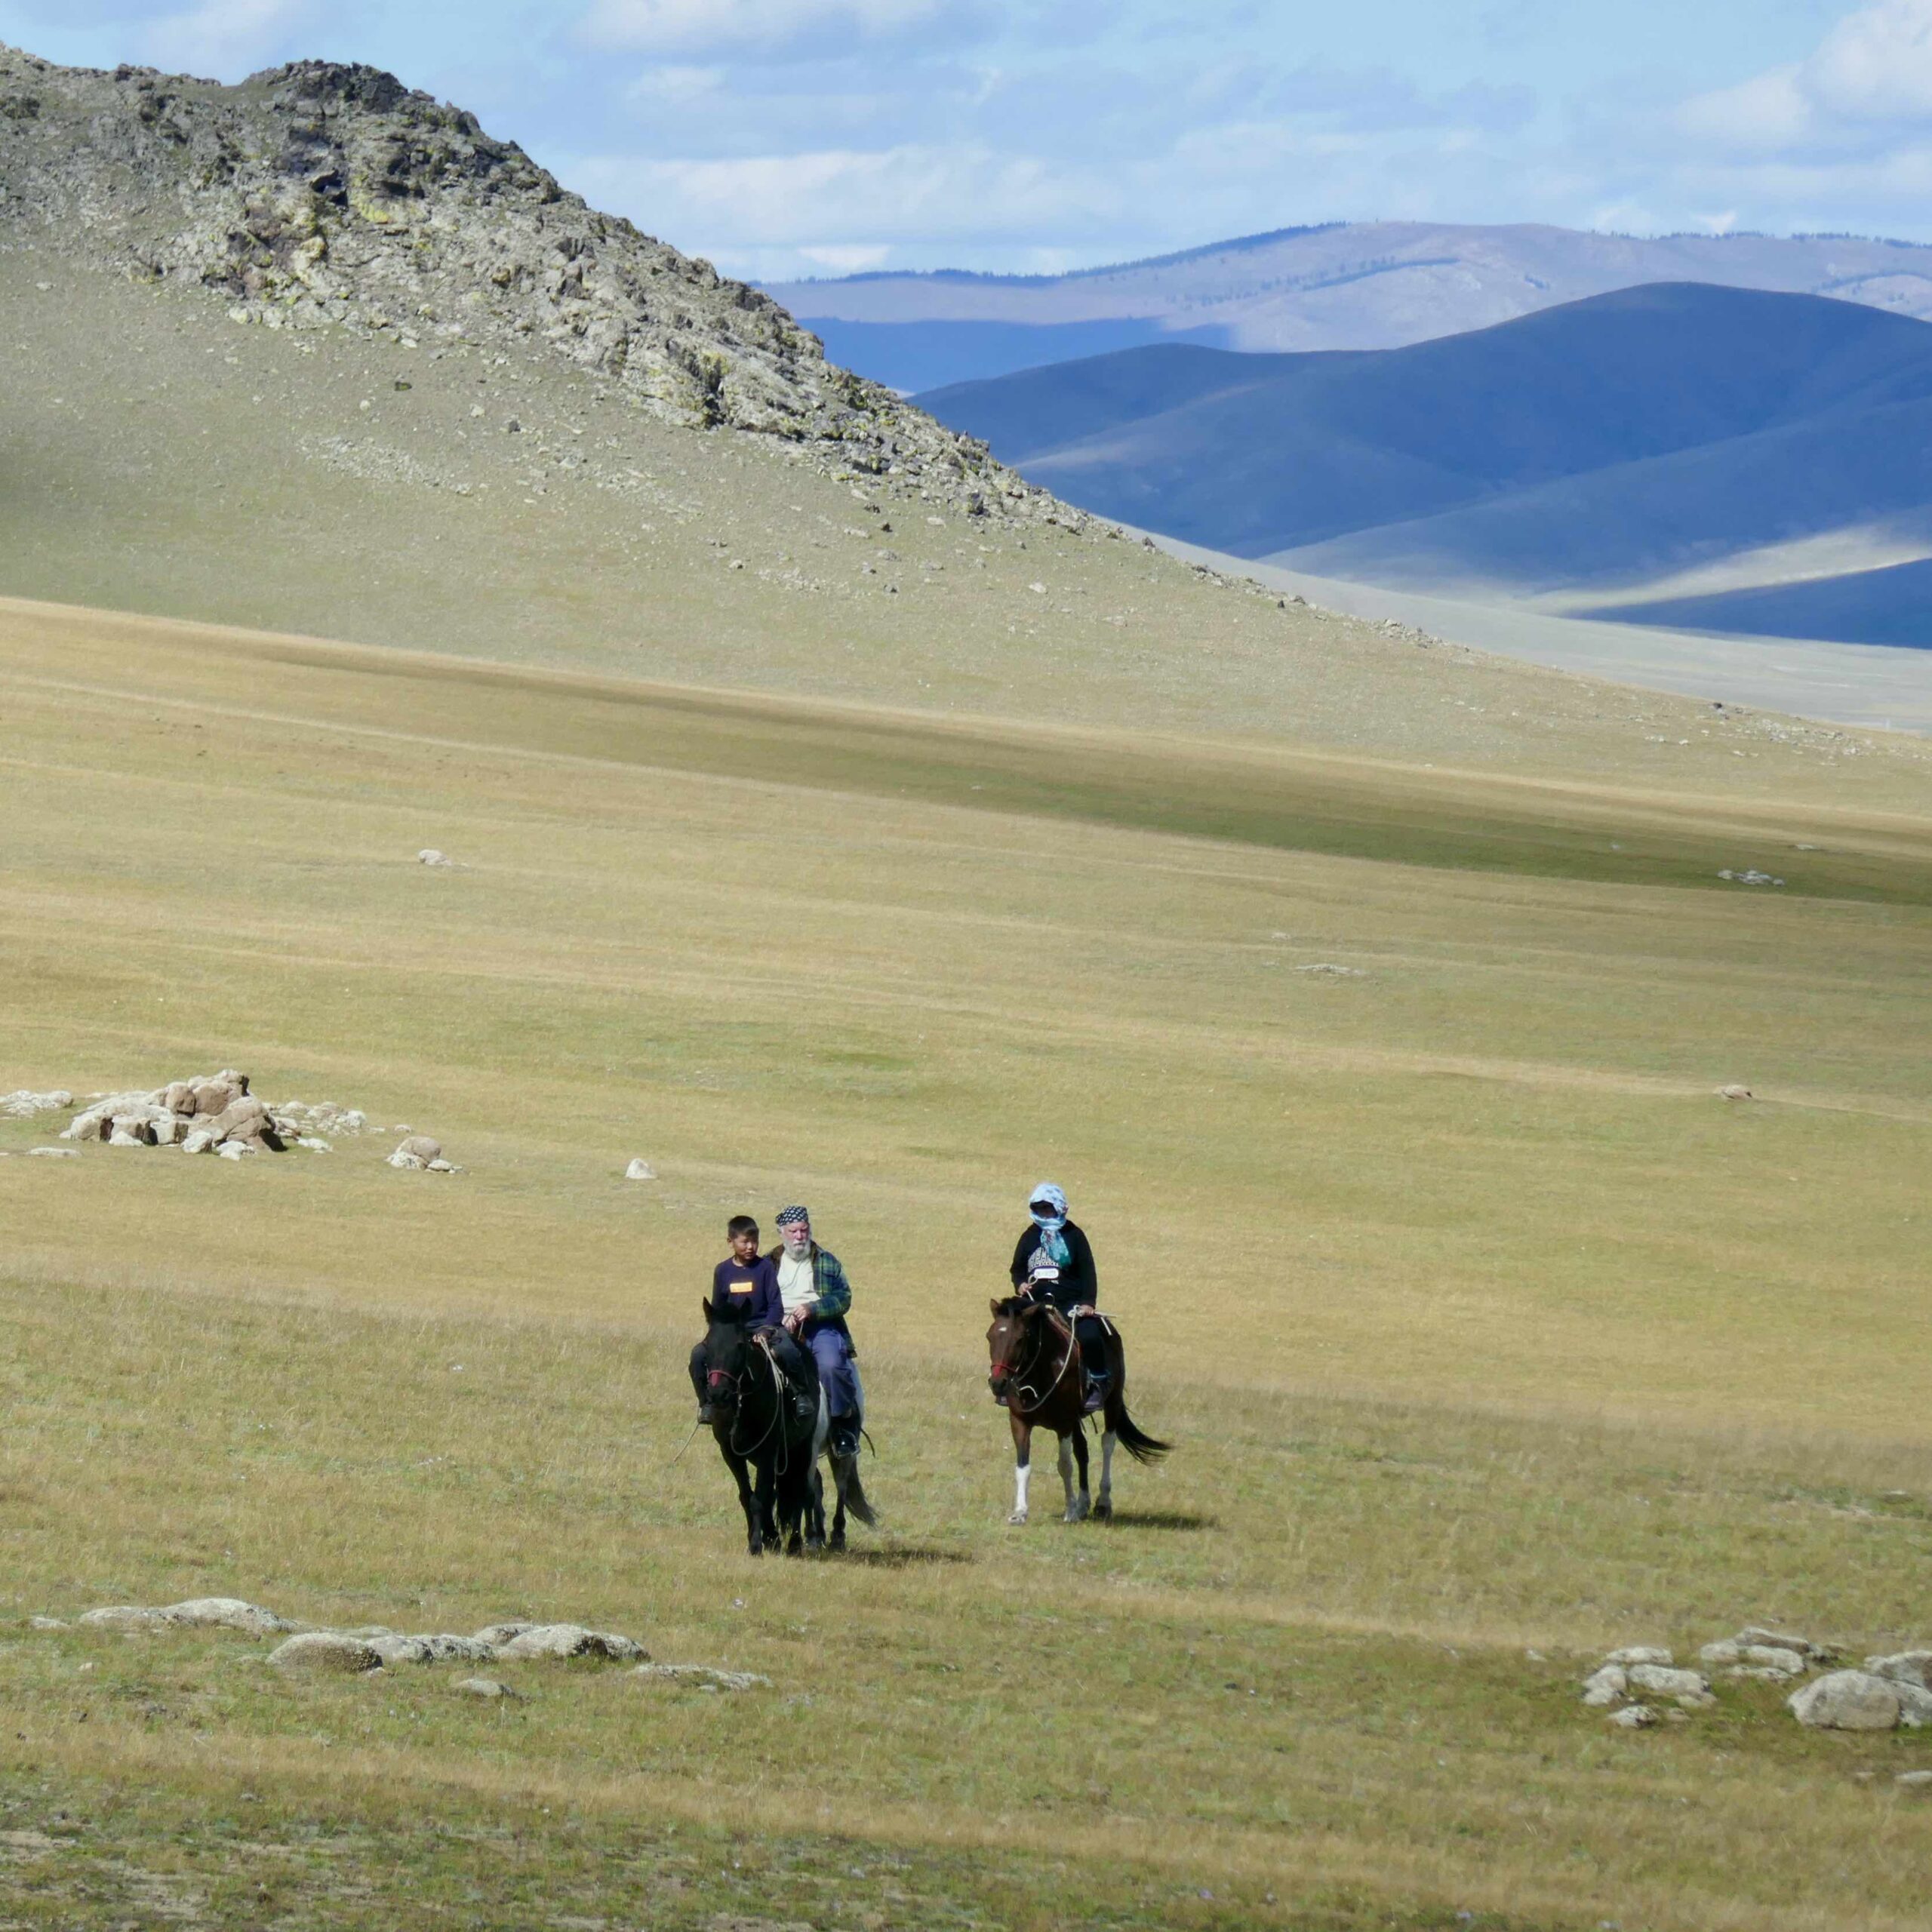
[
  {"x": 1103, "y": 1504},
  {"x": 815, "y": 1510},
  {"x": 767, "y": 1515},
  {"x": 837, "y": 1540},
  {"x": 754, "y": 1535},
  {"x": 1072, "y": 1449},
  {"x": 1023, "y": 1465}
]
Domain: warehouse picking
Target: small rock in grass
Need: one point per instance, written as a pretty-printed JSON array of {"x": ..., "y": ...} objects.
[
  {"x": 1605, "y": 1686},
  {"x": 1727, "y": 1650},
  {"x": 235, "y": 1150},
  {"x": 418, "y": 1151},
  {"x": 1906, "y": 1667},
  {"x": 1915, "y": 1781},
  {"x": 124, "y": 1617},
  {"x": 1848, "y": 1700},
  {"x": 438, "y": 1648},
  {"x": 1640, "y": 1654},
  {"x": 45, "y": 1623},
  {"x": 327, "y": 1651},
  {"x": 703, "y": 1676},
  {"x": 1635, "y": 1717},
  {"x": 640, "y": 1170},
  {"x": 570, "y": 1640},
  {"x": 56, "y": 1153},
  {"x": 1662, "y": 1681},
  {"x": 429, "y": 855},
  {"x": 498, "y": 1634},
  {"x": 1734, "y": 1092},
  {"x": 485, "y": 1687},
  {"x": 226, "y": 1614},
  {"x": 1772, "y": 1657},
  {"x": 1915, "y": 1705},
  {"x": 1783, "y": 1640}
]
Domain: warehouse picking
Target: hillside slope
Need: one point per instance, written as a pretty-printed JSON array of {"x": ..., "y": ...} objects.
[
  {"x": 1340, "y": 285},
  {"x": 1608, "y": 442}
]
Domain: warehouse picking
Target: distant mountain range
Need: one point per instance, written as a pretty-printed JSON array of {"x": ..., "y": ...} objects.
[
  {"x": 1704, "y": 457},
  {"x": 1345, "y": 285}
]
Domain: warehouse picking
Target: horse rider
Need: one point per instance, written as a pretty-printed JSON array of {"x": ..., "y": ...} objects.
[
  {"x": 816, "y": 1294},
  {"x": 1054, "y": 1262},
  {"x": 744, "y": 1288}
]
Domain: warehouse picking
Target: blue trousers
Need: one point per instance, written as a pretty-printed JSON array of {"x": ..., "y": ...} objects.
[{"x": 837, "y": 1373}]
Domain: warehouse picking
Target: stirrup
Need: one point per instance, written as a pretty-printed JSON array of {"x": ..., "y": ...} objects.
[{"x": 1096, "y": 1399}]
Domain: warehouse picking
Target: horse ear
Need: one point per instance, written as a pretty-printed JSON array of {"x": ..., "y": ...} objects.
[
  {"x": 706, "y": 1305},
  {"x": 994, "y": 1305}
]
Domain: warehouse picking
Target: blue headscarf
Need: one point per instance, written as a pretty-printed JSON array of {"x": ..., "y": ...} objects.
[{"x": 1053, "y": 1243}]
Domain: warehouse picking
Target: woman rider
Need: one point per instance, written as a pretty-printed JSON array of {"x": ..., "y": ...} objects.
[{"x": 1054, "y": 1257}]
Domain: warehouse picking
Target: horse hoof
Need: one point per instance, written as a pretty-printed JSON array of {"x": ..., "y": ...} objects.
[
  {"x": 1018, "y": 1516},
  {"x": 1103, "y": 1513},
  {"x": 838, "y": 1542}
]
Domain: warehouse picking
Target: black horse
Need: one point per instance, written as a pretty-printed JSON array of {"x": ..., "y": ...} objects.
[{"x": 759, "y": 1429}]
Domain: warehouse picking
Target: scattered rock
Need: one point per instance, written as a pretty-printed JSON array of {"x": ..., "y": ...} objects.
[
  {"x": 1635, "y": 1717},
  {"x": 226, "y": 1614},
  {"x": 24, "y": 1104},
  {"x": 1848, "y": 1700},
  {"x": 45, "y": 1623},
  {"x": 327, "y": 1652},
  {"x": 1749, "y": 876},
  {"x": 235, "y": 1150},
  {"x": 485, "y": 1687},
  {"x": 1662, "y": 1681},
  {"x": 703, "y": 1676},
  {"x": 1915, "y": 1781},
  {"x": 640, "y": 1170},
  {"x": 570, "y": 1640},
  {"x": 440, "y": 1648},
  {"x": 1783, "y": 1640},
  {"x": 498, "y": 1634},
  {"x": 1605, "y": 1686},
  {"x": 418, "y": 1152},
  {"x": 1735, "y": 1093},
  {"x": 54, "y": 1153},
  {"x": 1635, "y": 1653},
  {"x": 1327, "y": 971},
  {"x": 124, "y": 1617},
  {"x": 429, "y": 855},
  {"x": 1913, "y": 1667}
]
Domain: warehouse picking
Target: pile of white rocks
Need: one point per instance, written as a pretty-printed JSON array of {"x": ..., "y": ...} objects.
[
  {"x": 24, "y": 1104},
  {"x": 212, "y": 1113},
  {"x": 369, "y": 1647},
  {"x": 1631, "y": 1684}
]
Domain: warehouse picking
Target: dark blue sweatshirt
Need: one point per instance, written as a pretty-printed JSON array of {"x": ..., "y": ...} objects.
[{"x": 748, "y": 1294}]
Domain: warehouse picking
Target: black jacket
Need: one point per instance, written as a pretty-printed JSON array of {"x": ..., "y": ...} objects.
[{"x": 1076, "y": 1283}]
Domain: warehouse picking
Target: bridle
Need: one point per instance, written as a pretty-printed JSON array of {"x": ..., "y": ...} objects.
[
  {"x": 1036, "y": 1401},
  {"x": 720, "y": 1378}
]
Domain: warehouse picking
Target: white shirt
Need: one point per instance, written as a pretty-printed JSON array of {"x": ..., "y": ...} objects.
[{"x": 797, "y": 1283}]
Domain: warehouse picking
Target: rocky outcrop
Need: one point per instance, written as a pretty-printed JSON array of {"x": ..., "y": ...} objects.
[
  {"x": 214, "y": 1113},
  {"x": 315, "y": 195}
]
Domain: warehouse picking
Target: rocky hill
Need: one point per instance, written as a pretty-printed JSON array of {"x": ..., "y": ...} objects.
[{"x": 315, "y": 196}]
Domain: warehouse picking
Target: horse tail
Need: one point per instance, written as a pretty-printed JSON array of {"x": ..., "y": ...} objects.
[
  {"x": 854, "y": 1497},
  {"x": 1138, "y": 1444}
]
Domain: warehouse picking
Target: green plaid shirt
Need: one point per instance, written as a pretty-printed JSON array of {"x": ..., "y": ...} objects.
[{"x": 831, "y": 1293}]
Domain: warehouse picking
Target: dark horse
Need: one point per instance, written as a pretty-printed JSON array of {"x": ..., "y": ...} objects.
[
  {"x": 1037, "y": 1374},
  {"x": 758, "y": 1429}
]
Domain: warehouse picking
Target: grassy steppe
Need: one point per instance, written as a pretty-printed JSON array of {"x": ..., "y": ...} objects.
[{"x": 1483, "y": 1328}]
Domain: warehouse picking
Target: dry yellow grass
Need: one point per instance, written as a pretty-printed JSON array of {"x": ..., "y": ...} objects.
[{"x": 1481, "y": 1324}]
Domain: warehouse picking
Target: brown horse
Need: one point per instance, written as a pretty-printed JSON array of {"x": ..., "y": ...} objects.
[{"x": 1038, "y": 1377}]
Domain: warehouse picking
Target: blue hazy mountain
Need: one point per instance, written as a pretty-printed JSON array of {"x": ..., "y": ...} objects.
[
  {"x": 1605, "y": 443},
  {"x": 1377, "y": 284}
]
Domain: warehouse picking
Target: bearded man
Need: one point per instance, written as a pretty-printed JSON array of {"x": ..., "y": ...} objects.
[{"x": 816, "y": 1293}]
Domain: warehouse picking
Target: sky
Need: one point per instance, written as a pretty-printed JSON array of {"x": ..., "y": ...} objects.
[{"x": 782, "y": 138}]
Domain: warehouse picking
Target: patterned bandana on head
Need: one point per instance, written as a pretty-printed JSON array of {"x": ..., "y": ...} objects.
[
  {"x": 790, "y": 1217},
  {"x": 1053, "y": 1243}
]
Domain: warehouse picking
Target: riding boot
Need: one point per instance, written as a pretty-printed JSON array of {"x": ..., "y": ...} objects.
[
  {"x": 844, "y": 1438},
  {"x": 1096, "y": 1393}
]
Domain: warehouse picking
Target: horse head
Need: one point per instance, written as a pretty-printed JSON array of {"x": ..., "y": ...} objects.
[
  {"x": 1010, "y": 1340},
  {"x": 726, "y": 1353}
]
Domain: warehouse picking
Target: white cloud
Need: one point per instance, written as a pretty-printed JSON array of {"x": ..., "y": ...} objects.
[
  {"x": 1876, "y": 64},
  {"x": 225, "y": 39},
  {"x": 763, "y": 29},
  {"x": 1873, "y": 67}
]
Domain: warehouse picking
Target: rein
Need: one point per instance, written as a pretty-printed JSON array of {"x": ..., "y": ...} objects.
[{"x": 1034, "y": 1403}]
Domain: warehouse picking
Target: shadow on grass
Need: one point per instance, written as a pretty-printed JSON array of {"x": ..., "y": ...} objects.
[
  {"x": 1162, "y": 1519},
  {"x": 906, "y": 1557}
]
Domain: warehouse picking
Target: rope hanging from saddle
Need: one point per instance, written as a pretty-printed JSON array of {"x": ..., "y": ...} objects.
[{"x": 1035, "y": 1402}]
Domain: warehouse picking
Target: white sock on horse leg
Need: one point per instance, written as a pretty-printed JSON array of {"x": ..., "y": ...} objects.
[
  {"x": 1019, "y": 1476},
  {"x": 1066, "y": 1468}
]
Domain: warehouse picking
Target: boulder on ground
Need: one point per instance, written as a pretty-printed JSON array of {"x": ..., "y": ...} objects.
[
  {"x": 326, "y": 1652},
  {"x": 485, "y": 1687},
  {"x": 226, "y": 1614},
  {"x": 1662, "y": 1681},
  {"x": 570, "y": 1640},
  {"x": 25, "y": 1103},
  {"x": 45, "y": 1623},
  {"x": 497, "y": 1635},
  {"x": 439, "y": 1648},
  {"x": 1640, "y": 1654},
  {"x": 1906, "y": 1667},
  {"x": 1734, "y": 1092},
  {"x": 236, "y": 1150},
  {"x": 1915, "y": 1704},
  {"x": 429, "y": 855},
  {"x": 703, "y": 1675},
  {"x": 1915, "y": 1781},
  {"x": 124, "y": 1617},
  {"x": 200, "y": 1141},
  {"x": 640, "y": 1170},
  {"x": 423, "y": 1147},
  {"x": 1848, "y": 1700},
  {"x": 1783, "y": 1640},
  {"x": 1605, "y": 1686},
  {"x": 1635, "y": 1717},
  {"x": 55, "y": 1153}
]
